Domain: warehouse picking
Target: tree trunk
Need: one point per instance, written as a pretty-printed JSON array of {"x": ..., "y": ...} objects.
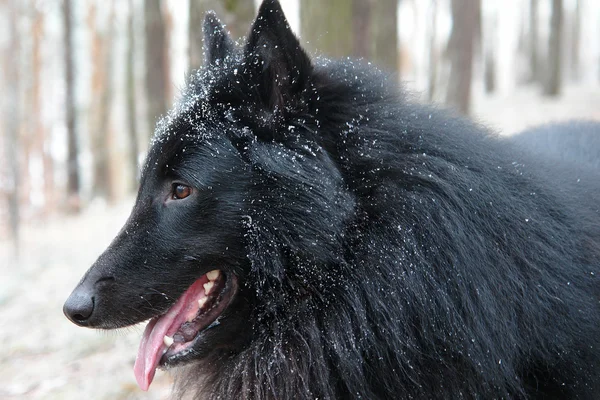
[
  {"x": 372, "y": 35},
  {"x": 195, "y": 56},
  {"x": 533, "y": 42},
  {"x": 490, "y": 71},
  {"x": 237, "y": 15},
  {"x": 361, "y": 20},
  {"x": 10, "y": 108},
  {"x": 324, "y": 27},
  {"x": 131, "y": 103},
  {"x": 575, "y": 38},
  {"x": 73, "y": 200},
  {"x": 489, "y": 53},
  {"x": 41, "y": 142},
  {"x": 554, "y": 81},
  {"x": 105, "y": 180},
  {"x": 433, "y": 57},
  {"x": 102, "y": 93},
  {"x": 384, "y": 23},
  {"x": 157, "y": 62},
  {"x": 25, "y": 122},
  {"x": 460, "y": 51}
]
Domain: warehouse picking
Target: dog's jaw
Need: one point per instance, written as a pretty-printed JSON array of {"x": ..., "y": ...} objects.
[{"x": 173, "y": 333}]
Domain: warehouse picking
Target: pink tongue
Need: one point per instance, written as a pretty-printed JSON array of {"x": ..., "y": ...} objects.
[{"x": 152, "y": 345}]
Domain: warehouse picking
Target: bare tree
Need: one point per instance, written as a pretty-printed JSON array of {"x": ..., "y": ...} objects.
[
  {"x": 157, "y": 65},
  {"x": 465, "y": 30},
  {"x": 533, "y": 41},
  {"x": 40, "y": 133},
  {"x": 361, "y": 21},
  {"x": 372, "y": 35},
  {"x": 26, "y": 123},
  {"x": 489, "y": 54},
  {"x": 575, "y": 40},
  {"x": 72, "y": 164},
  {"x": 324, "y": 25},
  {"x": 433, "y": 56},
  {"x": 132, "y": 127},
  {"x": 237, "y": 15},
  {"x": 490, "y": 71},
  {"x": 196, "y": 12},
  {"x": 102, "y": 94},
  {"x": 385, "y": 34},
  {"x": 10, "y": 103},
  {"x": 553, "y": 80}
]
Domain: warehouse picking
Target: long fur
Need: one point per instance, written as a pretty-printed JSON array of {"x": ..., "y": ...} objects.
[
  {"x": 386, "y": 249},
  {"x": 398, "y": 251}
]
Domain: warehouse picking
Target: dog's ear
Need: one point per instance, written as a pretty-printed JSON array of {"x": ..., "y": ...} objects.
[
  {"x": 276, "y": 59},
  {"x": 217, "y": 43}
]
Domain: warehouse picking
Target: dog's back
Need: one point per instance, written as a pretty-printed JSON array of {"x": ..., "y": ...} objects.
[{"x": 576, "y": 142}]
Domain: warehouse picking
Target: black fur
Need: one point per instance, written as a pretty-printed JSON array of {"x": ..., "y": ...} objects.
[
  {"x": 217, "y": 42},
  {"x": 385, "y": 249},
  {"x": 575, "y": 142}
]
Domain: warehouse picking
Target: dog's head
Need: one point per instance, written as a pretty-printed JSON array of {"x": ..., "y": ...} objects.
[{"x": 240, "y": 213}]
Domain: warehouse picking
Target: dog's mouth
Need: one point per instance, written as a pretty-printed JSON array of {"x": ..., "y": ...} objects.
[{"x": 171, "y": 336}]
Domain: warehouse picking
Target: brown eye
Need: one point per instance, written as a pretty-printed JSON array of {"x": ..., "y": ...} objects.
[{"x": 180, "y": 191}]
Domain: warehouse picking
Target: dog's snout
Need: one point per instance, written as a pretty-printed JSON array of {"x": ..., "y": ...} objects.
[{"x": 79, "y": 307}]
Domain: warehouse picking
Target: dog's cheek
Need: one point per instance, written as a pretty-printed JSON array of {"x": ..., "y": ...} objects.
[{"x": 235, "y": 329}]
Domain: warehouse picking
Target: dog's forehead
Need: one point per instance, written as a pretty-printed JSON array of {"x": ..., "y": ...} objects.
[
  {"x": 197, "y": 120},
  {"x": 188, "y": 118},
  {"x": 208, "y": 102}
]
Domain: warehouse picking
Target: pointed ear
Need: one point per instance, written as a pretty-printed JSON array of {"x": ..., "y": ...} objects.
[
  {"x": 274, "y": 53},
  {"x": 217, "y": 43}
]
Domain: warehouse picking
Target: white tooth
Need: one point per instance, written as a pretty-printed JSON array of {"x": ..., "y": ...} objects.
[
  {"x": 214, "y": 274},
  {"x": 208, "y": 287},
  {"x": 167, "y": 340},
  {"x": 202, "y": 301}
]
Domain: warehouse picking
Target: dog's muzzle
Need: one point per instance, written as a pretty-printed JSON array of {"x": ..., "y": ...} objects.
[{"x": 79, "y": 307}]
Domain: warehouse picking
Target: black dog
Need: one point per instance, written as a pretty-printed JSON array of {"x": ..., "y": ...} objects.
[
  {"x": 580, "y": 144},
  {"x": 303, "y": 231}
]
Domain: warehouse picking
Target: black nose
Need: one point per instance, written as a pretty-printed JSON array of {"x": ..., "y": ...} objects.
[{"x": 79, "y": 306}]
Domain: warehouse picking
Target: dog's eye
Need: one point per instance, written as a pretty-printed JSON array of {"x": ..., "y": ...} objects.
[{"x": 180, "y": 191}]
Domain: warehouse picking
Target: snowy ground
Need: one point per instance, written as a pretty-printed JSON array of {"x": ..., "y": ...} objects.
[
  {"x": 509, "y": 114},
  {"x": 47, "y": 357}
]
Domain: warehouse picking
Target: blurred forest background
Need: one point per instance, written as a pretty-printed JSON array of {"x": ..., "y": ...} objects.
[{"x": 84, "y": 81}]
